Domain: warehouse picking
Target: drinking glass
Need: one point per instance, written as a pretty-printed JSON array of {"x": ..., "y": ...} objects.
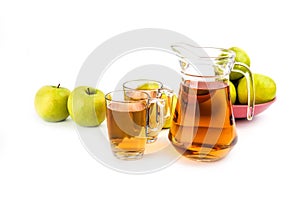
[{"x": 128, "y": 122}]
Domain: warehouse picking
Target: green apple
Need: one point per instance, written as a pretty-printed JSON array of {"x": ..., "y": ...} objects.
[
  {"x": 148, "y": 86},
  {"x": 86, "y": 106},
  {"x": 242, "y": 57},
  {"x": 51, "y": 103},
  {"x": 171, "y": 104},
  {"x": 232, "y": 91},
  {"x": 265, "y": 89}
]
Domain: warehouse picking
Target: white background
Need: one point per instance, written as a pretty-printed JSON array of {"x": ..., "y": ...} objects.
[{"x": 46, "y": 43}]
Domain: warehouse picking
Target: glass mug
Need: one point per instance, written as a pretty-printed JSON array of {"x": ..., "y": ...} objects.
[
  {"x": 127, "y": 122},
  {"x": 203, "y": 125},
  {"x": 155, "y": 90}
]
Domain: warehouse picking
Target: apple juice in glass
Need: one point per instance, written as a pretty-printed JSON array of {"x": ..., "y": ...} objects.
[
  {"x": 128, "y": 122},
  {"x": 156, "y": 90}
]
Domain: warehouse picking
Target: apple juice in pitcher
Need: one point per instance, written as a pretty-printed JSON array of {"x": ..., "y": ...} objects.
[{"x": 203, "y": 126}]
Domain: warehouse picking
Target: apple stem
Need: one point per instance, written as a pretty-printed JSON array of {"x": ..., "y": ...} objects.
[
  {"x": 88, "y": 91},
  {"x": 58, "y": 85}
]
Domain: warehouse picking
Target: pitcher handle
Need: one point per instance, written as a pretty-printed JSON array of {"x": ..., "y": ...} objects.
[{"x": 250, "y": 88}]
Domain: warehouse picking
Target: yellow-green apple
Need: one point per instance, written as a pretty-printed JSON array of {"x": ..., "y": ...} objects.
[
  {"x": 86, "y": 106},
  {"x": 232, "y": 91},
  {"x": 51, "y": 103},
  {"x": 242, "y": 57}
]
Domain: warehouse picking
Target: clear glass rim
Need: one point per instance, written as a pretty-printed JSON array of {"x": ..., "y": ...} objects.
[
  {"x": 227, "y": 54},
  {"x": 232, "y": 53},
  {"x": 109, "y": 98},
  {"x": 145, "y": 80}
]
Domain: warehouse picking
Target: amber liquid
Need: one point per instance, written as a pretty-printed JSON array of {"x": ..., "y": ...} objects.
[
  {"x": 126, "y": 125},
  {"x": 203, "y": 125}
]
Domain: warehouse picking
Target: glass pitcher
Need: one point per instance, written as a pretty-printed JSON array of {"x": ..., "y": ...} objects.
[{"x": 203, "y": 125}]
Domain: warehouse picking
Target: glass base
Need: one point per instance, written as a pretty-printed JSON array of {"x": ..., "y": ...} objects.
[
  {"x": 203, "y": 158},
  {"x": 128, "y": 155},
  {"x": 151, "y": 140}
]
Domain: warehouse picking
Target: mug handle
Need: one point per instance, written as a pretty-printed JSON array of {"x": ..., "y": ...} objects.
[
  {"x": 159, "y": 114},
  {"x": 170, "y": 96},
  {"x": 250, "y": 88}
]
